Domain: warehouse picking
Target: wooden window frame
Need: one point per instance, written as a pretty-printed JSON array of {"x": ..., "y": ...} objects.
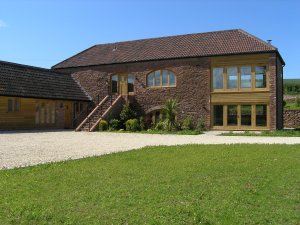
[
  {"x": 239, "y": 125},
  {"x": 239, "y": 88},
  {"x": 154, "y": 86},
  {"x": 14, "y": 101},
  {"x": 119, "y": 75}
]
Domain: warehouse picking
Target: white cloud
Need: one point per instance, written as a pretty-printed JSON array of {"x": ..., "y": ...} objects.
[{"x": 2, "y": 24}]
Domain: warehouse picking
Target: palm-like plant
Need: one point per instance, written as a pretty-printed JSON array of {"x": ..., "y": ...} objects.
[{"x": 170, "y": 111}]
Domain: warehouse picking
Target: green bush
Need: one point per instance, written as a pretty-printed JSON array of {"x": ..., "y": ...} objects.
[
  {"x": 159, "y": 126},
  {"x": 187, "y": 123},
  {"x": 114, "y": 124},
  {"x": 103, "y": 125},
  {"x": 132, "y": 125},
  {"x": 200, "y": 126},
  {"x": 170, "y": 111},
  {"x": 298, "y": 101},
  {"x": 142, "y": 123},
  {"x": 127, "y": 113},
  {"x": 284, "y": 103}
]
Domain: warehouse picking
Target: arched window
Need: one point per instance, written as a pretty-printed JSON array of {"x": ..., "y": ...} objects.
[{"x": 161, "y": 78}]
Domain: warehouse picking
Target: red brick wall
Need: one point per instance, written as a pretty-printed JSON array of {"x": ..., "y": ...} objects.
[
  {"x": 192, "y": 90},
  {"x": 273, "y": 88}
]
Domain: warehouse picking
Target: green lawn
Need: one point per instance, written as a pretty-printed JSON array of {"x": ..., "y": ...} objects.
[
  {"x": 276, "y": 133},
  {"x": 194, "y": 184},
  {"x": 292, "y": 105}
]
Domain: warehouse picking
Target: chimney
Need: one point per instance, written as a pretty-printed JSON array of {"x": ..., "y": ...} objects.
[{"x": 269, "y": 42}]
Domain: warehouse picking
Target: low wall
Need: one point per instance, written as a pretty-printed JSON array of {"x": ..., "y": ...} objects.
[{"x": 291, "y": 118}]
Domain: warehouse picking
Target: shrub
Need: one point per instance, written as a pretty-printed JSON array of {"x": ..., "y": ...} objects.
[
  {"x": 103, "y": 125},
  {"x": 298, "y": 101},
  {"x": 284, "y": 103},
  {"x": 169, "y": 111},
  {"x": 142, "y": 123},
  {"x": 200, "y": 126},
  {"x": 187, "y": 123},
  {"x": 159, "y": 126},
  {"x": 127, "y": 113},
  {"x": 114, "y": 124},
  {"x": 132, "y": 125}
]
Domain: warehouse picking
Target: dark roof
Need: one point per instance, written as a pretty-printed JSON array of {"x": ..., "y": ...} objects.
[
  {"x": 27, "y": 81},
  {"x": 182, "y": 46}
]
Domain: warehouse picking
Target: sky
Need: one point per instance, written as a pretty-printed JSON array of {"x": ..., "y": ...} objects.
[{"x": 45, "y": 32}]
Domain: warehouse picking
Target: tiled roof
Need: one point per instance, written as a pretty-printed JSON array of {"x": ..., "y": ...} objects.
[
  {"x": 181, "y": 46},
  {"x": 27, "y": 81}
]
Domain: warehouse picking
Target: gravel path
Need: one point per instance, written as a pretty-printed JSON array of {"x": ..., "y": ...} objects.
[{"x": 31, "y": 148}]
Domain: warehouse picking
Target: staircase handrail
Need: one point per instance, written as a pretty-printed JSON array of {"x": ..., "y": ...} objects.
[
  {"x": 104, "y": 114},
  {"x": 91, "y": 113}
]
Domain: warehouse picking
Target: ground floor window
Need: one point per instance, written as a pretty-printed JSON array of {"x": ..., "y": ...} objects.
[
  {"x": 13, "y": 105},
  {"x": 218, "y": 115},
  {"x": 240, "y": 116}
]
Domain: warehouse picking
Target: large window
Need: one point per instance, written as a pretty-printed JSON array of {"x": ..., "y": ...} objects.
[
  {"x": 240, "y": 116},
  {"x": 161, "y": 78},
  {"x": 232, "y": 114},
  {"x": 218, "y": 78},
  {"x": 246, "y": 77},
  {"x": 114, "y": 84},
  {"x": 130, "y": 83},
  {"x": 261, "y": 115},
  {"x": 246, "y": 111},
  {"x": 218, "y": 115},
  {"x": 238, "y": 78},
  {"x": 232, "y": 77},
  {"x": 260, "y": 77}
]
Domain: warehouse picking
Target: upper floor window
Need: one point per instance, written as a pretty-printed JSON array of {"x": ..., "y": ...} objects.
[
  {"x": 239, "y": 77},
  {"x": 260, "y": 77},
  {"x": 161, "y": 78},
  {"x": 232, "y": 77},
  {"x": 218, "y": 74},
  {"x": 246, "y": 77}
]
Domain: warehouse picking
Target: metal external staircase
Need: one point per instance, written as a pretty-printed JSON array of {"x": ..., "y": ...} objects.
[{"x": 91, "y": 122}]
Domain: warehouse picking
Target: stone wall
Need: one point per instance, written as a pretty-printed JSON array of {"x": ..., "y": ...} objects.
[
  {"x": 192, "y": 85},
  {"x": 291, "y": 118}
]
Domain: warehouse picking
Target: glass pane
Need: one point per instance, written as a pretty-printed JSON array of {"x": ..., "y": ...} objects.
[
  {"x": 218, "y": 115},
  {"x": 53, "y": 112},
  {"x": 42, "y": 116},
  {"x": 150, "y": 80},
  {"x": 10, "y": 105},
  {"x": 47, "y": 113},
  {"x": 157, "y": 78},
  {"x": 37, "y": 113},
  {"x": 232, "y": 115},
  {"x": 130, "y": 83},
  {"x": 232, "y": 77},
  {"x": 165, "y": 78},
  {"x": 246, "y": 77},
  {"x": 261, "y": 115},
  {"x": 260, "y": 77},
  {"x": 114, "y": 84},
  {"x": 217, "y": 78},
  {"x": 246, "y": 115},
  {"x": 17, "y": 105},
  {"x": 172, "y": 79}
]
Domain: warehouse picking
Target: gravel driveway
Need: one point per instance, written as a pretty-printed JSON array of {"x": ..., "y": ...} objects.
[{"x": 30, "y": 148}]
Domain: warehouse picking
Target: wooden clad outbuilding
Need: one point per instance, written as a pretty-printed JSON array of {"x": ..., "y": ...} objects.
[{"x": 32, "y": 97}]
